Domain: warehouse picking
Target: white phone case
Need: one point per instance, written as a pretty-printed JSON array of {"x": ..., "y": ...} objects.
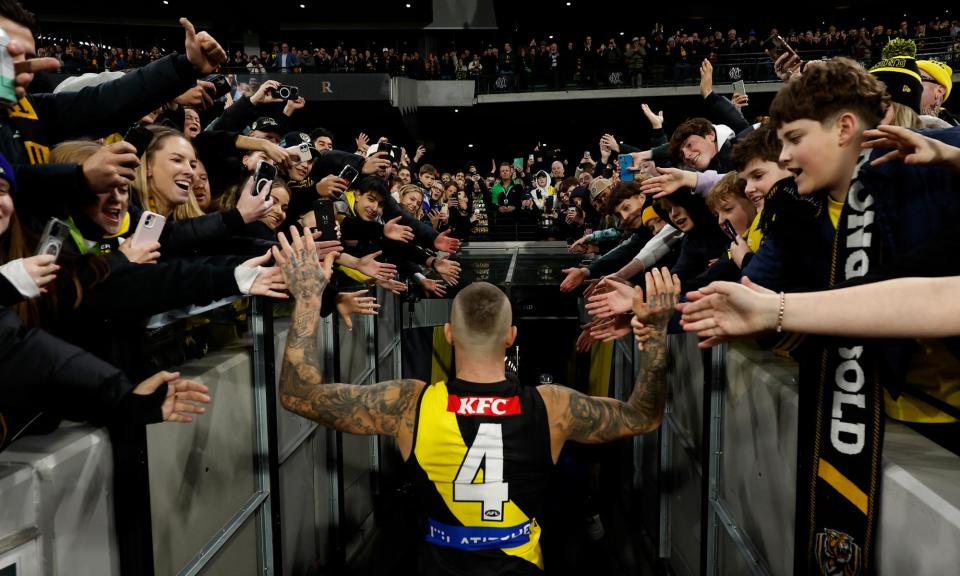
[{"x": 148, "y": 229}]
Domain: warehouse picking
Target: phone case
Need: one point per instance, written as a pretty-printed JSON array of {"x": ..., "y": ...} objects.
[
  {"x": 304, "y": 151},
  {"x": 326, "y": 219},
  {"x": 349, "y": 173},
  {"x": 626, "y": 161},
  {"x": 730, "y": 232},
  {"x": 139, "y": 137},
  {"x": 51, "y": 241},
  {"x": 148, "y": 229},
  {"x": 263, "y": 178}
]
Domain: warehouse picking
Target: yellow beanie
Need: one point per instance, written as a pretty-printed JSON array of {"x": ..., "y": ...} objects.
[
  {"x": 648, "y": 214},
  {"x": 940, "y": 72}
]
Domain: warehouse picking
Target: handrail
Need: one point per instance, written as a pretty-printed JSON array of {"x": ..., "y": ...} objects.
[
  {"x": 752, "y": 67},
  {"x": 745, "y": 464}
]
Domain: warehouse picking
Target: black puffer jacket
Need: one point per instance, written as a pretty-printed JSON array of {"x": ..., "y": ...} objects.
[{"x": 47, "y": 377}]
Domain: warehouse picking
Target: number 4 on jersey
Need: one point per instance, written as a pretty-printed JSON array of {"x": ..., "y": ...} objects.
[{"x": 493, "y": 492}]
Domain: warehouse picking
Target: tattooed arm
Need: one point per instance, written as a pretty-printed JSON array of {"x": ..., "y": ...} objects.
[
  {"x": 581, "y": 418},
  {"x": 385, "y": 408}
]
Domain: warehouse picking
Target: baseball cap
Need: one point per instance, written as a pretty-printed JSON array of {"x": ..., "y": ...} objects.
[
  {"x": 393, "y": 151},
  {"x": 265, "y": 124},
  {"x": 598, "y": 185},
  {"x": 291, "y": 139}
]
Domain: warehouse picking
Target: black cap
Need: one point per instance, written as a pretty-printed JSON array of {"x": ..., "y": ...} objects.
[
  {"x": 265, "y": 124},
  {"x": 291, "y": 139}
]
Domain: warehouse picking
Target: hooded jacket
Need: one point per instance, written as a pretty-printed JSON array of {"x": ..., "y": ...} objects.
[{"x": 543, "y": 197}]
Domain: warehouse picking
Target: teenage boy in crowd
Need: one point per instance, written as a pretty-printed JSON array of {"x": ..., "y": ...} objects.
[
  {"x": 627, "y": 201},
  {"x": 364, "y": 233},
  {"x": 735, "y": 212},
  {"x": 821, "y": 149},
  {"x": 854, "y": 221}
]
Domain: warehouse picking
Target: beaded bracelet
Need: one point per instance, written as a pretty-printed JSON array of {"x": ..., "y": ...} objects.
[{"x": 783, "y": 301}]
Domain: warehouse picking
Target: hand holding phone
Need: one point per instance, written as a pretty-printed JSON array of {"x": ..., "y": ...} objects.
[
  {"x": 51, "y": 241},
  {"x": 730, "y": 232},
  {"x": 148, "y": 229},
  {"x": 284, "y": 92},
  {"x": 775, "y": 46},
  {"x": 139, "y": 137},
  {"x": 263, "y": 178},
  {"x": 303, "y": 151},
  {"x": 326, "y": 218},
  {"x": 626, "y": 168},
  {"x": 220, "y": 84},
  {"x": 349, "y": 173}
]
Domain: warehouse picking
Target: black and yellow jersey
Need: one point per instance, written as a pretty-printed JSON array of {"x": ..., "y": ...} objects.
[{"x": 480, "y": 465}]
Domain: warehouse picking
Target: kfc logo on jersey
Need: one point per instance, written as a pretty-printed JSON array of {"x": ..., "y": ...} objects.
[{"x": 483, "y": 405}]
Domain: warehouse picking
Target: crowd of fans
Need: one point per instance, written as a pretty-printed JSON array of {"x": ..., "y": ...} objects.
[
  {"x": 195, "y": 156},
  {"x": 121, "y": 198},
  {"x": 655, "y": 57},
  {"x": 718, "y": 199}
]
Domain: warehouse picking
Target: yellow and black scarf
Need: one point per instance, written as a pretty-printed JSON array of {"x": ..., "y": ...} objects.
[{"x": 841, "y": 427}]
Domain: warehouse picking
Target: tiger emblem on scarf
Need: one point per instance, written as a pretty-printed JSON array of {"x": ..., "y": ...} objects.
[{"x": 837, "y": 554}]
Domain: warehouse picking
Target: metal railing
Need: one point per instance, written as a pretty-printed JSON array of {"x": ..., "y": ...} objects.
[
  {"x": 748, "y": 66},
  {"x": 723, "y": 470}
]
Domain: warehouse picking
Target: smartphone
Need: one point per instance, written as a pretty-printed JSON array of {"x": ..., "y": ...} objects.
[
  {"x": 326, "y": 219},
  {"x": 385, "y": 147},
  {"x": 739, "y": 87},
  {"x": 586, "y": 154},
  {"x": 730, "y": 232},
  {"x": 8, "y": 93},
  {"x": 518, "y": 163},
  {"x": 454, "y": 202},
  {"x": 148, "y": 229},
  {"x": 139, "y": 137},
  {"x": 220, "y": 84},
  {"x": 51, "y": 241},
  {"x": 775, "y": 46},
  {"x": 285, "y": 92},
  {"x": 304, "y": 151},
  {"x": 349, "y": 173},
  {"x": 626, "y": 163},
  {"x": 572, "y": 211},
  {"x": 263, "y": 178}
]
